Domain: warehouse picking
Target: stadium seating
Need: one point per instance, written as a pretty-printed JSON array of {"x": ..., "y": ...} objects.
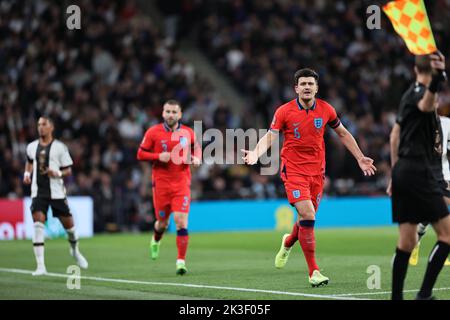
[{"x": 105, "y": 84}]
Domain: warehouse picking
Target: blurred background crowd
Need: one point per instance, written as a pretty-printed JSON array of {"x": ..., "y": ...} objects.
[{"x": 105, "y": 84}]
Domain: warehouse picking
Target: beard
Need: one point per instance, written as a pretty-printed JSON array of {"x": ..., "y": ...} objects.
[{"x": 172, "y": 122}]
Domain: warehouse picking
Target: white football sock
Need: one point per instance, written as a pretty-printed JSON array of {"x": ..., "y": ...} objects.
[
  {"x": 38, "y": 243},
  {"x": 73, "y": 238}
]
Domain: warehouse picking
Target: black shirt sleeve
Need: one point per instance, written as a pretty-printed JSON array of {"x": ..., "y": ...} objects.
[{"x": 409, "y": 103}]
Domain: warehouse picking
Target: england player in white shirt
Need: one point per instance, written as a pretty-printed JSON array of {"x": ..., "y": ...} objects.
[{"x": 48, "y": 162}]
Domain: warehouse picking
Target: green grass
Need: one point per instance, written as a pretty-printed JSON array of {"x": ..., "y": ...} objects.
[{"x": 241, "y": 260}]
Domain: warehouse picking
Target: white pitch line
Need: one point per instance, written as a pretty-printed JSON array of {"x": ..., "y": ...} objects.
[
  {"x": 62, "y": 275},
  {"x": 381, "y": 292}
]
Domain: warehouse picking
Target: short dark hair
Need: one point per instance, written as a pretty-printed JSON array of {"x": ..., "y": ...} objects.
[
  {"x": 306, "y": 72},
  {"x": 174, "y": 102},
  {"x": 423, "y": 64},
  {"x": 48, "y": 118}
]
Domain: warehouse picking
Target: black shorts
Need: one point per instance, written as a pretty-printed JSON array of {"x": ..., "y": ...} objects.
[
  {"x": 60, "y": 207},
  {"x": 416, "y": 195}
]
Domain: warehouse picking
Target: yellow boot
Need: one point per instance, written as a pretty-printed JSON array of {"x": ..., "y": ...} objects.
[{"x": 414, "y": 258}]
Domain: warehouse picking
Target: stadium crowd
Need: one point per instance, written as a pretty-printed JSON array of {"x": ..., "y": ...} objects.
[
  {"x": 105, "y": 84},
  {"x": 363, "y": 71}
]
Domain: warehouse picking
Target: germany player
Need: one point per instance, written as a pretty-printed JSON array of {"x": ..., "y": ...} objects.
[
  {"x": 422, "y": 227},
  {"x": 303, "y": 121},
  {"x": 171, "y": 147},
  {"x": 48, "y": 163},
  {"x": 418, "y": 186}
]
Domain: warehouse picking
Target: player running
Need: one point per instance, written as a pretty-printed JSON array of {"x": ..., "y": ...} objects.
[
  {"x": 48, "y": 163},
  {"x": 302, "y": 121},
  {"x": 170, "y": 146}
]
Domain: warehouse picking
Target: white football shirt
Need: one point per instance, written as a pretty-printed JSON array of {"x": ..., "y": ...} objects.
[{"x": 54, "y": 156}]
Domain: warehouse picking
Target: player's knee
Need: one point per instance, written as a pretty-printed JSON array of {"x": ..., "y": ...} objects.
[
  {"x": 181, "y": 224},
  {"x": 180, "y": 220},
  {"x": 38, "y": 217},
  {"x": 442, "y": 229},
  {"x": 307, "y": 215},
  {"x": 67, "y": 222},
  {"x": 161, "y": 224},
  {"x": 408, "y": 247}
]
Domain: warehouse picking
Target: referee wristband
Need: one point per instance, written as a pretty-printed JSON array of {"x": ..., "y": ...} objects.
[
  {"x": 437, "y": 82},
  {"x": 26, "y": 174}
]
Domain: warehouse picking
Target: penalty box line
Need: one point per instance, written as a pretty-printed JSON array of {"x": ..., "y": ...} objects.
[{"x": 200, "y": 286}]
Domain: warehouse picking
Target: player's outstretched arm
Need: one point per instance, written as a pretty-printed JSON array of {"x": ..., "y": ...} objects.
[
  {"x": 251, "y": 156},
  {"x": 365, "y": 163}
]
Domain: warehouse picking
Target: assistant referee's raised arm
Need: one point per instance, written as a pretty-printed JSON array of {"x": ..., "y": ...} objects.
[{"x": 439, "y": 78}]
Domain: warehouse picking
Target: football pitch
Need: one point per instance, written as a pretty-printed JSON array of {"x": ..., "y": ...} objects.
[{"x": 232, "y": 265}]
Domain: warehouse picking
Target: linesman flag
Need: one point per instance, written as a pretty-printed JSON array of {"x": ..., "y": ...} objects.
[{"x": 410, "y": 20}]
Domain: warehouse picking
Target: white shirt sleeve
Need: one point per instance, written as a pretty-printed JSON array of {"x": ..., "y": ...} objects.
[
  {"x": 65, "y": 158},
  {"x": 30, "y": 157}
]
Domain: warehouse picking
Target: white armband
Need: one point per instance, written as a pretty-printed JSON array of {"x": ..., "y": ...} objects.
[{"x": 27, "y": 174}]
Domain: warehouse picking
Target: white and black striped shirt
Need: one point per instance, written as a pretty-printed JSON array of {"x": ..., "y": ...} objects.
[{"x": 54, "y": 156}]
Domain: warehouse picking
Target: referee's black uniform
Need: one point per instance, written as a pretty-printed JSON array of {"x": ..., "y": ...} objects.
[{"x": 418, "y": 185}]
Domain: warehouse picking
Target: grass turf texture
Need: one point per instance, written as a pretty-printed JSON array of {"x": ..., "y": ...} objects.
[{"x": 240, "y": 260}]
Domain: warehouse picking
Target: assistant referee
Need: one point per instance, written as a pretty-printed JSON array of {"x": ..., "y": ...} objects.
[{"x": 418, "y": 186}]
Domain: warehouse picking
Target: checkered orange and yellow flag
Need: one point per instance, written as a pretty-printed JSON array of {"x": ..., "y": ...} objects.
[{"x": 409, "y": 19}]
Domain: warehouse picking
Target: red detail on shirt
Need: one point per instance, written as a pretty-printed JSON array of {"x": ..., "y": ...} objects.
[{"x": 303, "y": 151}]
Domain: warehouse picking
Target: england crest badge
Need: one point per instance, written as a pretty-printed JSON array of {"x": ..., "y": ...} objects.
[
  {"x": 318, "y": 122},
  {"x": 183, "y": 141}
]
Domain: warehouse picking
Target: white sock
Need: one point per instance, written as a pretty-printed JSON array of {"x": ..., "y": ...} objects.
[
  {"x": 38, "y": 243},
  {"x": 73, "y": 238}
]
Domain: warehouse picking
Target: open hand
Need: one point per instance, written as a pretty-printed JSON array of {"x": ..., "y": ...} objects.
[
  {"x": 27, "y": 179},
  {"x": 437, "y": 61},
  {"x": 366, "y": 165},
  {"x": 250, "y": 157}
]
